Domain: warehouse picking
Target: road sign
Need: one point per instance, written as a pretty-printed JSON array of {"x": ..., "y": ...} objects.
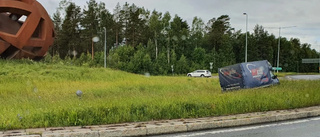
[
  {"x": 172, "y": 69},
  {"x": 275, "y": 68},
  {"x": 310, "y": 60}
]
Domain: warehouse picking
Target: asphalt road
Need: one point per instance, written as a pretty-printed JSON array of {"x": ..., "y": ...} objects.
[
  {"x": 303, "y": 77},
  {"x": 298, "y": 128}
]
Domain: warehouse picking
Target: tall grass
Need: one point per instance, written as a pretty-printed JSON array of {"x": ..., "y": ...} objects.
[{"x": 34, "y": 94}]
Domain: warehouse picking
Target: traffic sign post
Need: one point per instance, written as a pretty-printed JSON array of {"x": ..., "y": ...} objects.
[
  {"x": 211, "y": 63},
  {"x": 276, "y": 68},
  {"x": 172, "y": 70},
  {"x": 312, "y": 61}
]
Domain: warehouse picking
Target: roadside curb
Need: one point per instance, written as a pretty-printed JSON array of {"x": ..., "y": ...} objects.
[{"x": 168, "y": 126}]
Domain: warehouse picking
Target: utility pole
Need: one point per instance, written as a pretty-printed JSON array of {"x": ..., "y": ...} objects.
[
  {"x": 246, "y": 50},
  {"x": 94, "y": 39},
  {"x": 278, "y": 58},
  {"x": 105, "y": 47}
]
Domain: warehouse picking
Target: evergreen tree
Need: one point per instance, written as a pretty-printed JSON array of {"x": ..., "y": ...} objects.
[
  {"x": 118, "y": 25},
  {"x": 180, "y": 33},
  {"x": 57, "y": 22},
  {"x": 152, "y": 42},
  {"x": 198, "y": 57},
  {"x": 106, "y": 21},
  {"x": 70, "y": 32},
  {"x": 135, "y": 27},
  {"x": 197, "y": 32},
  {"x": 262, "y": 45},
  {"x": 89, "y": 27},
  {"x": 216, "y": 29},
  {"x": 182, "y": 66}
]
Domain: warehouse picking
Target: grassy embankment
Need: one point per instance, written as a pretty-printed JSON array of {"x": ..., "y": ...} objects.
[{"x": 43, "y": 95}]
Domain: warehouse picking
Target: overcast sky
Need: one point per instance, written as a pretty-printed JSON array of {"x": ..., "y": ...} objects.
[{"x": 271, "y": 14}]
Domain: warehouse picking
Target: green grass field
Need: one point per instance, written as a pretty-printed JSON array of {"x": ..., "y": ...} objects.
[{"x": 34, "y": 94}]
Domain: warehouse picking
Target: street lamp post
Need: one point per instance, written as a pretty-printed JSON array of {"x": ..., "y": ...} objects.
[
  {"x": 246, "y": 50},
  {"x": 92, "y": 49},
  {"x": 105, "y": 47},
  {"x": 278, "y": 50},
  {"x": 279, "y": 45},
  {"x": 94, "y": 39}
]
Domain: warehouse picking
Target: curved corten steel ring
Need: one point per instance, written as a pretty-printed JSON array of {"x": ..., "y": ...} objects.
[{"x": 26, "y": 30}]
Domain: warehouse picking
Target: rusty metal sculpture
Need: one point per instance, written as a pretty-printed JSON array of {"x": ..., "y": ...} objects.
[{"x": 26, "y": 30}]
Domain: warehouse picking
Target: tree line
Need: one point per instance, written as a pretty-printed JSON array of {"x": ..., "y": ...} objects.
[{"x": 141, "y": 41}]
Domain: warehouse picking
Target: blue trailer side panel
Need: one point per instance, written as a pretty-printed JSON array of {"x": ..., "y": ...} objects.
[
  {"x": 231, "y": 77},
  {"x": 256, "y": 74}
]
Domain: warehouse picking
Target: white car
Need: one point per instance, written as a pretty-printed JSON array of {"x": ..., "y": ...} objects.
[{"x": 199, "y": 73}]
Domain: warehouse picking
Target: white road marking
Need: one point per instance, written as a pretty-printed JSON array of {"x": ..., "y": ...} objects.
[{"x": 251, "y": 127}]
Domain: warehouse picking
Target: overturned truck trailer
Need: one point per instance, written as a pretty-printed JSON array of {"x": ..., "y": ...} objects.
[{"x": 247, "y": 75}]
